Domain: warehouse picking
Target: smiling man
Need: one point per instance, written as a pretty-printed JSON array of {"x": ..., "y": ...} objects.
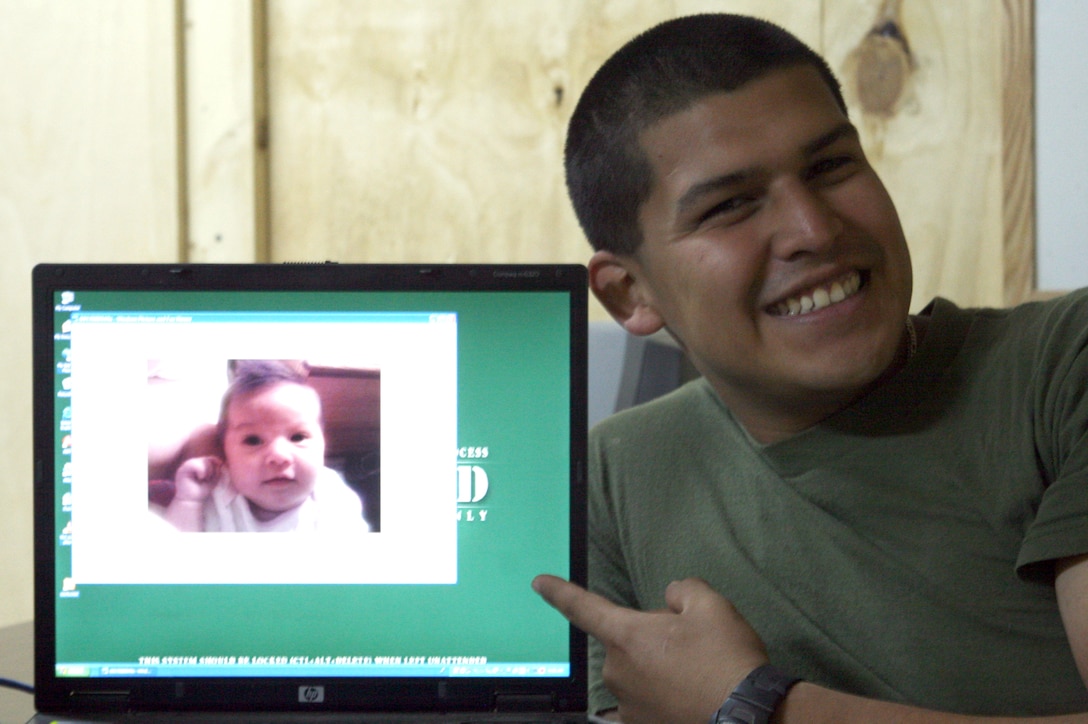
[
  {"x": 890, "y": 509},
  {"x": 765, "y": 209}
]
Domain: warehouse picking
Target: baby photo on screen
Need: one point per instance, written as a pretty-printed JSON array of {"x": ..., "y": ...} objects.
[
  {"x": 281, "y": 446},
  {"x": 209, "y": 451}
]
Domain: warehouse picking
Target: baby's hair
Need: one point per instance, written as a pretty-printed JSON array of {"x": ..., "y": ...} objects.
[
  {"x": 253, "y": 374},
  {"x": 249, "y": 375}
]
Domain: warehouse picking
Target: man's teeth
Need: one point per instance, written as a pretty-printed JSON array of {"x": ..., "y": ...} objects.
[{"x": 820, "y": 297}]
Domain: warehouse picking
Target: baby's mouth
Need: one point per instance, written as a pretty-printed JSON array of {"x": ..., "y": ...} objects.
[{"x": 820, "y": 297}]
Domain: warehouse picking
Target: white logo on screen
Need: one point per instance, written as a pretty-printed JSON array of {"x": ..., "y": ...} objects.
[
  {"x": 472, "y": 483},
  {"x": 311, "y": 694}
]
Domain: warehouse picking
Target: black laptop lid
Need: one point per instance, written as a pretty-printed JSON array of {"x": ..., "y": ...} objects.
[{"x": 452, "y": 406}]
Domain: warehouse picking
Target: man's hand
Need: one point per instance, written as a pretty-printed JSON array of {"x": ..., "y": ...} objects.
[{"x": 675, "y": 665}]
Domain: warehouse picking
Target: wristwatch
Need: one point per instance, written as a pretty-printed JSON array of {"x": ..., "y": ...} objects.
[{"x": 755, "y": 699}]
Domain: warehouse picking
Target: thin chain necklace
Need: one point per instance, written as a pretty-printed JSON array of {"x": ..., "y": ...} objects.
[{"x": 912, "y": 338}]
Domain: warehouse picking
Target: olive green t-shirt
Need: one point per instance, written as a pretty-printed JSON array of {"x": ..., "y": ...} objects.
[{"x": 902, "y": 549}]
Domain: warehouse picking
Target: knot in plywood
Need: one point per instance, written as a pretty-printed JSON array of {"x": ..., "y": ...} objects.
[{"x": 883, "y": 70}]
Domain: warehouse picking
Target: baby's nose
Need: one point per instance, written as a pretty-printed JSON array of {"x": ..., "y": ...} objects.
[{"x": 279, "y": 452}]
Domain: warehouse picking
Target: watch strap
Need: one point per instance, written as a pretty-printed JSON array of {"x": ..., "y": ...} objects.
[{"x": 755, "y": 699}]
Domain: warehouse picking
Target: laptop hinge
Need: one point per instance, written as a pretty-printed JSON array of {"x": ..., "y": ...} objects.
[{"x": 523, "y": 702}]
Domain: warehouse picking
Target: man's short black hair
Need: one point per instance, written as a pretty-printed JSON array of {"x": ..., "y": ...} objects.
[{"x": 655, "y": 75}]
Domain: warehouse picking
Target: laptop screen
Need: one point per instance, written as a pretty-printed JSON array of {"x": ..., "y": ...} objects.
[{"x": 296, "y": 472}]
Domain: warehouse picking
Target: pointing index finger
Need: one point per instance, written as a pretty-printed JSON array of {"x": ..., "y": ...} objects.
[{"x": 588, "y": 611}]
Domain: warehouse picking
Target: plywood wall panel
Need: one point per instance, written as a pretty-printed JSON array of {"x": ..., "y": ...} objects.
[
  {"x": 432, "y": 130},
  {"x": 223, "y": 157},
  {"x": 88, "y": 142},
  {"x": 1018, "y": 158},
  {"x": 939, "y": 147}
]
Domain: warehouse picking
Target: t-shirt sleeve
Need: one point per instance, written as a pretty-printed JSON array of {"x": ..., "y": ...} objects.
[
  {"x": 1060, "y": 528},
  {"x": 608, "y": 575}
]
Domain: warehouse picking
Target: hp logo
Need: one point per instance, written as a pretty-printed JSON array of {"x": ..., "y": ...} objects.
[{"x": 311, "y": 694}]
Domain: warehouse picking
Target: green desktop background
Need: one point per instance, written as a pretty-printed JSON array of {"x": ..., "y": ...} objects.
[{"x": 513, "y": 398}]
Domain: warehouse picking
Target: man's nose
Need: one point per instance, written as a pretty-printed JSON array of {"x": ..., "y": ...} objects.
[{"x": 804, "y": 221}]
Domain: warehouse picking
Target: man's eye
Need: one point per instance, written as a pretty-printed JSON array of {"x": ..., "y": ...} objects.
[
  {"x": 735, "y": 206},
  {"x": 832, "y": 169}
]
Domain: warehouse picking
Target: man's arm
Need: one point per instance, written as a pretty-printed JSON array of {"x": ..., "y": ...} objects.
[
  {"x": 678, "y": 665},
  {"x": 810, "y": 703},
  {"x": 1071, "y": 585}
]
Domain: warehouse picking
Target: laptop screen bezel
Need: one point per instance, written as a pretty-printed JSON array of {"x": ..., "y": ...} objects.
[{"x": 59, "y": 694}]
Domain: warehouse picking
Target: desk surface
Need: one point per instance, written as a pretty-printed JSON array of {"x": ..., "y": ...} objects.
[{"x": 16, "y": 662}]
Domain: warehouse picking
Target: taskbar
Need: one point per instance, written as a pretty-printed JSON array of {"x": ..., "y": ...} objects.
[{"x": 489, "y": 670}]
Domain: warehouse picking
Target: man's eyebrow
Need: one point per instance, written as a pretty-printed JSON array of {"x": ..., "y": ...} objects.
[
  {"x": 843, "y": 130},
  {"x": 692, "y": 195}
]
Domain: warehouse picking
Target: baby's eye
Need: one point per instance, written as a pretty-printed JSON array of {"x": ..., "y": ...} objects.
[
  {"x": 299, "y": 437},
  {"x": 251, "y": 440}
]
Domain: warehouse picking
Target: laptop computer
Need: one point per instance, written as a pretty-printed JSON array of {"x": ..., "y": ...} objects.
[{"x": 451, "y": 406}]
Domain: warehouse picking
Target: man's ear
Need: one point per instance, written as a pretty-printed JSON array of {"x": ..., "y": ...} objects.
[{"x": 616, "y": 281}]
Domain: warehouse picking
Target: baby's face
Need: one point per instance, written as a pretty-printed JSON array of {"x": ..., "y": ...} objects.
[{"x": 274, "y": 446}]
